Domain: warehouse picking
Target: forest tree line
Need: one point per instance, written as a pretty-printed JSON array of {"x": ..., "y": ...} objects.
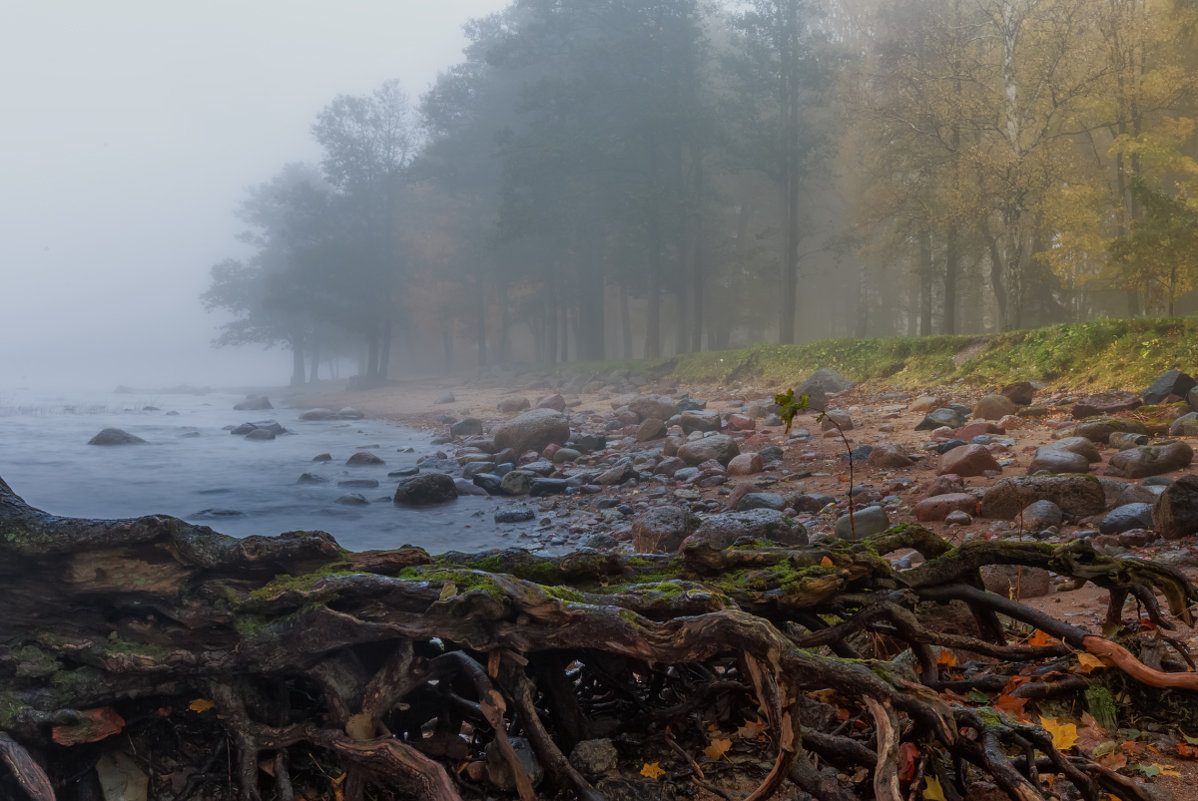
[{"x": 632, "y": 178}]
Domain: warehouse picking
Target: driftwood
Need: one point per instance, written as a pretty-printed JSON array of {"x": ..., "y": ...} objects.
[{"x": 286, "y": 667}]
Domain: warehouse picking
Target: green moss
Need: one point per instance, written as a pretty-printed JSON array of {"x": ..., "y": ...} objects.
[
  {"x": 33, "y": 662},
  {"x": 119, "y": 645},
  {"x": 565, "y": 593},
  {"x": 10, "y": 710},
  {"x": 304, "y": 584}
]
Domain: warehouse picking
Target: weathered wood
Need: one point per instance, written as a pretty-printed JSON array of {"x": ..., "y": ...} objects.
[{"x": 403, "y": 660}]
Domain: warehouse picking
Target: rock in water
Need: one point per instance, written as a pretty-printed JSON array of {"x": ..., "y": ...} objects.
[
  {"x": 253, "y": 403},
  {"x": 115, "y": 436},
  {"x": 426, "y": 489}
]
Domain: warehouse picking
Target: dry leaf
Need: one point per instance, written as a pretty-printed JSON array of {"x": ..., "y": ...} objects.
[
  {"x": 1186, "y": 750},
  {"x": 360, "y": 726},
  {"x": 652, "y": 770},
  {"x": 826, "y": 562},
  {"x": 1089, "y": 662},
  {"x": 908, "y": 756},
  {"x": 1113, "y": 761},
  {"x": 448, "y": 590},
  {"x": 717, "y": 749},
  {"x": 752, "y": 730},
  {"x": 932, "y": 791},
  {"x": 1012, "y": 705},
  {"x": 1064, "y": 735},
  {"x": 93, "y": 725},
  {"x": 1041, "y": 639},
  {"x": 946, "y": 658},
  {"x": 201, "y": 705}
]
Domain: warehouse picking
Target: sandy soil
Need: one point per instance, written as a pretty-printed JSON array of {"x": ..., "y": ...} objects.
[{"x": 816, "y": 466}]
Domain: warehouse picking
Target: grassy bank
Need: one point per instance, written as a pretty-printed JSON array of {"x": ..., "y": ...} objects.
[{"x": 1103, "y": 354}]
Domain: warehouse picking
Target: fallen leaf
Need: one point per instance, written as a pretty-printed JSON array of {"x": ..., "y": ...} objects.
[
  {"x": 1064, "y": 735},
  {"x": 946, "y": 658},
  {"x": 1012, "y": 705},
  {"x": 201, "y": 705},
  {"x": 1089, "y": 662},
  {"x": 932, "y": 791},
  {"x": 652, "y": 770},
  {"x": 908, "y": 756},
  {"x": 1188, "y": 751},
  {"x": 448, "y": 590},
  {"x": 1113, "y": 761},
  {"x": 826, "y": 562},
  {"x": 717, "y": 749},
  {"x": 1041, "y": 639},
  {"x": 753, "y": 729},
  {"x": 92, "y": 726}
]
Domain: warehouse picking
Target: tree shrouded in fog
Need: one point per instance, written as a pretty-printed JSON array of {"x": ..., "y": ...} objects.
[{"x": 632, "y": 178}]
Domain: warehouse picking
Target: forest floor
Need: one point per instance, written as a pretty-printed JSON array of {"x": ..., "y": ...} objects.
[{"x": 817, "y": 466}]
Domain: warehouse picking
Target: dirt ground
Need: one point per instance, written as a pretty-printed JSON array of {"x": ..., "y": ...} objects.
[{"x": 817, "y": 466}]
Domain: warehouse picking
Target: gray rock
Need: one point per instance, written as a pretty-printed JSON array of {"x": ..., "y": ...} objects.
[
  {"x": 311, "y": 478},
  {"x": 1079, "y": 445},
  {"x": 1051, "y": 459},
  {"x": 1175, "y": 514},
  {"x": 515, "y": 482},
  {"x": 1020, "y": 392},
  {"x": 515, "y": 514},
  {"x": 659, "y": 406},
  {"x": 349, "y": 413},
  {"x": 1105, "y": 403},
  {"x": 836, "y": 418},
  {"x": 720, "y": 447},
  {"x": 1122, "y": 441},
  {"x": 466, "y": 427},
  {"x": 594, "y": 758},
  {"x": 700, "y": 421},
  {"x": 253, "y": 403},
  {"x": 547, "y": 486},
  {"x": 721, "y": 530},
  {"x": 887, "y": 456},
  {"x": 1099, "y": 429},
  {"x": 353, "y": 499},
  {"x": 1150, "y": 460},
  {"x": 1185, "y": 426},
  {"x": 491, "y": 483},
  {"x": 944, "y": 416},
  {"x": 829, "y": 382},
  {"x": 862, "y": 523},
  {"x": 445, "y": 398},
  {"x": 260, "y": 434},
  {"x": 1078, "y": 495},
  {"x": 359, "y": 483},
  {"x": 115, "y": 436},
  {"x": 761, "y": 500},
  {"x": 317, "y": 414},
  {"x": 1173, "y": 383},
  {"x": 426, "y": 489},
  {"x": 532, "y": 430},
  {"x": 661, "y": 529},
  {"x": 364, "y": 458},
  {"x": 1126, "y": 517},
  {"x": 1039, "y": 515}
]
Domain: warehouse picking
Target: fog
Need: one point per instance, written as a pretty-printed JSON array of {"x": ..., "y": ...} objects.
[{"x": 131, "y": 132}]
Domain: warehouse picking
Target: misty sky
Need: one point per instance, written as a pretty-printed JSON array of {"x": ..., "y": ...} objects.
[{"x": 130, "y": 131}]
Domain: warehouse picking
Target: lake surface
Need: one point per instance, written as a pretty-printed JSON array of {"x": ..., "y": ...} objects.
[{"x": 194, "y": 469}]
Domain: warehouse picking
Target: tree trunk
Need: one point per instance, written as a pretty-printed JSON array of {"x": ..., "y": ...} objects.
[
  {"x": 925, "y": 282},
  {"x": 261, "y": 665}
]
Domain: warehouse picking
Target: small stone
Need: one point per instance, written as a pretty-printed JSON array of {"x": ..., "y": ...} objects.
[{"x": 862, "y": 523}]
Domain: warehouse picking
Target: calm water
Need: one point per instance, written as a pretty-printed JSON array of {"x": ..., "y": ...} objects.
[{"x": 193, "y": 469}]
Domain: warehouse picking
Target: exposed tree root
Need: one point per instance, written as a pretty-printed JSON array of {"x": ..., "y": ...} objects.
[{"x": 388, "y": 675}]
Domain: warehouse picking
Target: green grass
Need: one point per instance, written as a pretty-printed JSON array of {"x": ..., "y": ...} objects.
[{"x": 1098, "y": 355}]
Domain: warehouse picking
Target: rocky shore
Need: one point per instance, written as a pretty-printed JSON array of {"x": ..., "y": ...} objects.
[{"x": 620, "y": 463}]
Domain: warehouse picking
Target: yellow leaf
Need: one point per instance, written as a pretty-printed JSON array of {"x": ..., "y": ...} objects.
[
  {"x": 826, "y": 562},
  {"x": 717, "y": 749},
  {"x": 932, "y": 791},
  {"x": 1167, "y": 770},
  {"x": 200, "y": 705},
  {"x": 652, "y": 770},
  {"x": 752, "y": 729},
  {"x": 1064, "y": 735},
  {"x": 448, "y": 590},
  {"x": 1089, "y": 662},
  {"x": 1041, "y": 639}
]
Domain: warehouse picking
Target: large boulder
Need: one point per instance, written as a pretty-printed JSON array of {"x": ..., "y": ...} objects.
[
  {"x": 662, "y": 529},
  {"x": 720, "y": 447},
  {"x": 318, "y": 414},
  {"x": 426, "y": 489},
  {"x": 699, "y": 421},
  {"x": 950, "y": 416},
  {"x": 115, "y": 436},
  {"x": 660, "y": 406},
  {"x": 829, "y": 382},
  {"x": 1078, "y": 495},
  {"x": 888, "y": 455},
  {"x": 532, "y": 431},
  {"x": 1126, "y": 517},
  {"x": 721, "y": 530},
  {"x": 1021, "y": 392},
  {"x": 1169, "y": 385},
  {"x": 1175, "y": 513},
  {"x": 253, "y": 403},
  {"x": 939, "y": 507},
  {"x": 862, "y": 523},
  {"x": 1150, "y": 460}
]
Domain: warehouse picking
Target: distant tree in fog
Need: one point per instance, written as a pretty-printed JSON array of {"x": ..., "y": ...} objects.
[
  {"x": 368, "y": 143},
  {"x": 279, "y": 295}
]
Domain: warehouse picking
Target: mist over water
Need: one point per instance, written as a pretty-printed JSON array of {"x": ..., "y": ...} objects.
[{"x": 194, "y": 469}]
